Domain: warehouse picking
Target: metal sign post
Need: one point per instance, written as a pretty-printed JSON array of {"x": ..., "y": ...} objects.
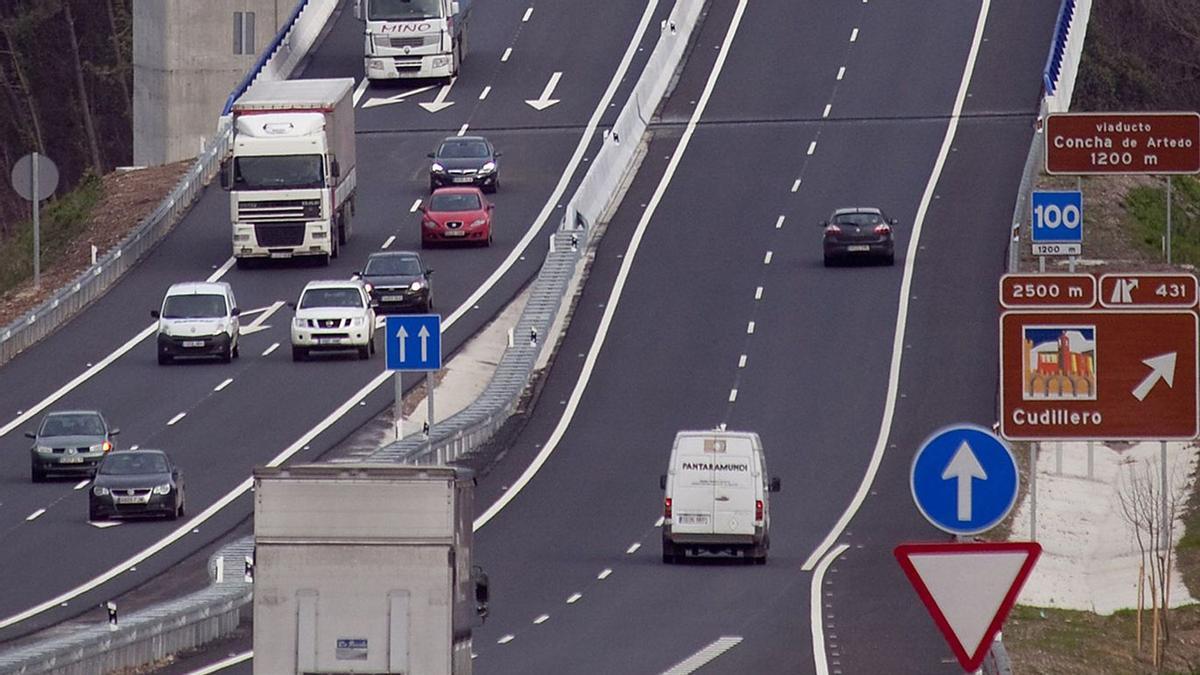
[
  {"x": 35, "y": 177},
  {"x": 414, "y": 343},
  {"x": 399, "y": 406}
]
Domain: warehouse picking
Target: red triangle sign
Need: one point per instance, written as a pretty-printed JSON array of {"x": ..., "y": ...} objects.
[{"x": 968, "y": 589}]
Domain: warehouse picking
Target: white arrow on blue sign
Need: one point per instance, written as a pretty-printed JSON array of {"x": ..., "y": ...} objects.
[
  {"x": 964, "y": 479},
  {"x": 414, "y": 342}
]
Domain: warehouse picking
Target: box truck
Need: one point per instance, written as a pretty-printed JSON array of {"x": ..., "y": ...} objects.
[
  {"x": 364, "y": 568},
  {"x": 414, "y": 38},
  {"x": 291, "y": 175}
]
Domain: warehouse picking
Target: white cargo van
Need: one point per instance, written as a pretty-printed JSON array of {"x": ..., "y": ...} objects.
[{"x": 717, "y": 496}]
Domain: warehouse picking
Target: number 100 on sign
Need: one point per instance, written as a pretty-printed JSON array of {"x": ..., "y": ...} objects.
[{"x": 1057, "y": 217}]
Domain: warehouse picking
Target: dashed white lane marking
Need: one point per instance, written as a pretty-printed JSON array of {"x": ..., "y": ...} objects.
[
  {"x": 750, "y": 328},
  {"x": 758, "y": 293},
  {"x": 541, "y": 619},
  {"x": 176, "y": 419},
  {"x": 388, "y": 241},
  {"x": 271, "y": 349},
  {"x": 507, "y": 53},
  {"x": 416, "y": 205},
  {"x": 767, "y": 258},
  {"x": 604, "y": 574},
  {"x": 732, "y": 395},
  {"x": 742, "y": 361},
  {"x": 779, "y": 222},
  {"x": 574, "y": 598},
  {"x": 633, "y": 547},
  {"x": 841, "y": 73},
  {"x": 828, "y": 107},
  {"x": 814, "y": 601},
  {"x": 701, "y": 658},
  {"x": 463, "y": 129},
  {"x": 82, "y": 484},
  {"x": 505, "y": 640},
  {"x": 359, "y": 91},
  {"x": 104, "y": 524},
  {"x": 854, "y": 35},
  {"x": 134, "y": 446},
  {"x": 35, "y": 514},
  {"x": 528, "y": 13},
  {"x": 228, "y": 381},
  {"x": 660, "y": 521},
  {"x": 812, "y": 147},
  {"x": 486, "y": 90},
  {"x": 796, "y": 185}
]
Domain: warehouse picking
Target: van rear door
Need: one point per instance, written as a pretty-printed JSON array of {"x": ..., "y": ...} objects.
[
  {"x": 733, "y": 489},
  {"x": 692, "y": 493}
]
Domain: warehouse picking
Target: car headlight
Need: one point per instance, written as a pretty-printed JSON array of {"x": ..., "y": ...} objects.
[
  {"x": 298, "y": 323},
  {"x": 164, "y": 489},
  {"x": 440, "y": 61},
  {"x": 488, "y": 168},
  {"x": 357, "y": 321},
  {"x": 44, "y": 448},
  {"x": 416, "y": 285},
  {"x": 431, "y": 224},
  {"x": 100, "y": 447},
  {"x": 437, "y": 168},
  {"x": 478, "y": 223},
  {"x": 100, "y": 491},
  {"x": 369, "y": 287}
]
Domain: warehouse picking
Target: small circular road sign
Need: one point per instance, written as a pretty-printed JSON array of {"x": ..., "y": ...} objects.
[
  {"x": 964, "y": 479},
  {"x": 47, "y": 175}
]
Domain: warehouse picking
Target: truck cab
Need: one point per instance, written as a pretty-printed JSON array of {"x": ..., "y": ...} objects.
[{"x": 413, "y": 38}]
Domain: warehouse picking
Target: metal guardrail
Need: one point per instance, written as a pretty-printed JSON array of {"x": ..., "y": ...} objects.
[
  {"x": 1058, "y": 47},
  {"x": 265, "y": 57}
]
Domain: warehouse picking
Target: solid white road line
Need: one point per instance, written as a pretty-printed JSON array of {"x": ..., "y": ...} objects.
[
  {"x": 817, "y": 619},
  {"x": 35, "y": 514},
  {"x": 779, "y": 223},
  {"x": 82, "y": 484},
  {"x": 176, "y": 419},
  {"x": 633, "y": 548},
  {"x": 854, "y": 35},
  {"x": 388, "y": 241},
  {"x": 622, "y": 274},
  {"x": 841, "y": 73},
  {"x": 604, "y": 574},
  {"x": 228, "y": 381},
  {"x": 574, "y": 598},
  {"x": 222, "y": 665},
  {"x": 701, "y": 658},
  {"x": 507, "y": 53},
  {"x": 796, "y": 185},
  {"x": 270, "y": 349},
  {"x": 359, "y": 91},
  {"x": 528, "y": 13},
  {"x": 889, "y": 408},
  {"x": 484, "y": 94}
]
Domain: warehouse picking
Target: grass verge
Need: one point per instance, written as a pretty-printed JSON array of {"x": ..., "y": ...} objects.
[
  {"x": 1146, "y": 216},
  {"x": 61, "y": 220}
]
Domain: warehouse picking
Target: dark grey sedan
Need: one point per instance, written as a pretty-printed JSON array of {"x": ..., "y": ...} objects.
[
  {"x": 136, "y": 483},
  {"x": 69, "y": 442},
  {"x": 398, "y": 281},
  {"x": 859, "y": 232},
  {"x": 465, "y": 160}
]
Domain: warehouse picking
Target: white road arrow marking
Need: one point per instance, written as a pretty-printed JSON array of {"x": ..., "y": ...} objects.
[
  {"x": 1162, "y": 367},
  {"x": 376, "y": 101},
  {"x": 440, "y": 102},
  {"x": 403, "y": 335},
  {"x": 964, "y": 466},
  {"x": 545, "y": 101},
  {"x": 424, "y": 335},
  {"x": 257, "y": 324}
]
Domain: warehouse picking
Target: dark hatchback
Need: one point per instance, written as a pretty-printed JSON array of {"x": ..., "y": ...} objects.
[
  {"x": 465, "y": 160},
  {"x": 69, "y": 442},
  {"x": 861, "y": 232},
  {"x": 136, "y": 483},
  {"x": 398, "y": 281}
]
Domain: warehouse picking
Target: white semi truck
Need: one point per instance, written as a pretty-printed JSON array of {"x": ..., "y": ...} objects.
[
  {"x": 414, "y": 38},
  {"x": 364, "y": 568},
  {"x": 291, "y": 176}
]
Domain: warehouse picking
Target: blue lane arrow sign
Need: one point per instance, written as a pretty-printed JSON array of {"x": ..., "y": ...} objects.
[
  {"x": 414, "y": 342},
  {"x": 964, "y": 480}
]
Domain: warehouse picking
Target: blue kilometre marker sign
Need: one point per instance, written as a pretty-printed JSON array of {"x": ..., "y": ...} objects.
[
  {"x": 414, "y": 342},
  {"x": 964, "y": 480}
]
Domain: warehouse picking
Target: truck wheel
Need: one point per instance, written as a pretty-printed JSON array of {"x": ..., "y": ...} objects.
[{"x": 344, "y": 227}]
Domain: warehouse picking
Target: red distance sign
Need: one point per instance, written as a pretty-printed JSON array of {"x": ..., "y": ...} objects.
[
  {"x": 1122, "y": 143},
  {"x": 1129, "y": 291},
  {"x": 1099, "y": 375},
  {"x": 1047, "y": 291}
]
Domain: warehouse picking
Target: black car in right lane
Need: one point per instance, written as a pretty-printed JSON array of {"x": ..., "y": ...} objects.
[
  {"x": 856, "y": 232},
  {"x": 398, "y": 281},
  {"x": 136, "y": 483}
]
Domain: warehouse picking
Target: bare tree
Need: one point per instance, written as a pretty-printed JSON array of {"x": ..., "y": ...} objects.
[
  {"x": 14, "y": 56},
  {"x": 85, "y": 108}
]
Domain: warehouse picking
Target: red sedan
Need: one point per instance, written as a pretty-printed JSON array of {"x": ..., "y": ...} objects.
[{"x": 457, "y": 214}]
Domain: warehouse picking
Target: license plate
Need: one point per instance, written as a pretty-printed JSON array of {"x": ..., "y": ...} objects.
[
  {"x": 693, "y": 519},
  {"x": 71, "y": 460},
  {"x": 858, "y": 247},
  {"x": 463, "y": 179},
  {"x": 193, "y": 343},
  {"x": 327, "y": 340},
  {"x": 393, "y": 298},
  {"x": 456, "y": 233},
  {"x": 123, "y": 499},
  {"x": 281, "y": 254}
]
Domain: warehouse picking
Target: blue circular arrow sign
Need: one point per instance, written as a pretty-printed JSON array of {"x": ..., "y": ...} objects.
[{"x": 964, "y": 479}]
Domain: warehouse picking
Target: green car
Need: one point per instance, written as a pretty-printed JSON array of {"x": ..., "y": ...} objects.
[{"x": 69, "y": 442}]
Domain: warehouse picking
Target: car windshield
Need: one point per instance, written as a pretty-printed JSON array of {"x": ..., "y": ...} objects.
[
  {"x": 331, "y": 297},
  {"x": 133, "y": 463},
  {"x": 72, "y": 425},
  {"x": 858, "y": 219},
  {"x": 393, "y": 266},
  {"x": 280, "y": 172},
  {"x": 194, "y": 307},
  {"x": 454, "y": 202},
  {"x": 403, "y": 10},
  {"x": 463, "y": 149}
]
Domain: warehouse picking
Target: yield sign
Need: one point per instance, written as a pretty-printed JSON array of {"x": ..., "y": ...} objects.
[{"x": 968, "y": 589}]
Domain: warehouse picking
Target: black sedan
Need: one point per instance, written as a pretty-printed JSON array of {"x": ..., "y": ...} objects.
[
  {"x": 69, "y": 442},
  {"x": 136, "y": 483},
  {"x": 398, "y": 281},
  {"x": 860, "y": 232},
  {"x": 465, "y": 160}
]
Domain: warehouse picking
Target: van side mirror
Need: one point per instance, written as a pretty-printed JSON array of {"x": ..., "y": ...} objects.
[
  {"x": 154, "y": 313},
  {"x": 30, "y": 434},
  {"x": 335, "y": 169},
  {"x": 662, "y": 482},
  {"x": 893, "y": 222},
  {"x": 824, "y": 223},
  {"x": 226, "y": 177},
  {"x": 428, "y": 271},
  {"x": 431, "y": 155},
  {"x": 497, "y": 154},
  {"x": 776, "y": 485},
  {"x": 236, "y": 311}
]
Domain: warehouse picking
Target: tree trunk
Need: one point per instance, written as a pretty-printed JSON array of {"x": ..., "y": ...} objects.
[
  {"x": 15, "y": 56},
  {"x": 84, "y": 104},
  {"x": 120, "y": 60}
]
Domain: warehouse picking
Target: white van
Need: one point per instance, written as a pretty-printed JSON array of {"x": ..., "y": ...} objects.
[
  {"x": 198, "y": 319},
  {"x": 717, "y": 496}
]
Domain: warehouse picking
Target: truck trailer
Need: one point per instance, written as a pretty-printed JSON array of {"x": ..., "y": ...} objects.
[
  {"x": 291, "y": 175},
  {"x": 364, "y": 568}
]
